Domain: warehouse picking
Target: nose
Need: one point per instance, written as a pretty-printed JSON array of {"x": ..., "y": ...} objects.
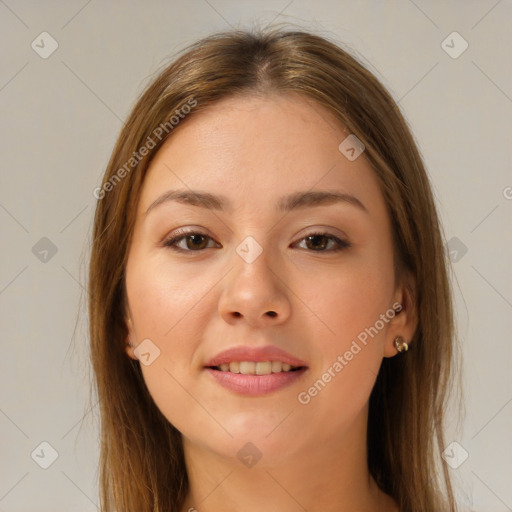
[{"x": 255, "y": 293}]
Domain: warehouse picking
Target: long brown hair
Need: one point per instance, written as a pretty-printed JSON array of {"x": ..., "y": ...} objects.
[{"x": 142, "y": 466}]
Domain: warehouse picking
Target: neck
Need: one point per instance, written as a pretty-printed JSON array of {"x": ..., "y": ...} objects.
[{"x": 329, "y": 475}]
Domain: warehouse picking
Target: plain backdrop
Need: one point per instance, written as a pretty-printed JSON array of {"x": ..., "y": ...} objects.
[{"x": 60, "y": 116}]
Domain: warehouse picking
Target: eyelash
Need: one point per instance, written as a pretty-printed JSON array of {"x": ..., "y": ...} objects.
[{"x": 182, "y": 234}]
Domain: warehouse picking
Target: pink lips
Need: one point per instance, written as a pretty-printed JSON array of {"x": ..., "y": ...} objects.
[{"x": 255, "y": 385}]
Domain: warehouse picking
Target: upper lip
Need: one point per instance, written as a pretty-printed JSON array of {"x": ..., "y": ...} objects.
[{"x": 256, "y": 354}]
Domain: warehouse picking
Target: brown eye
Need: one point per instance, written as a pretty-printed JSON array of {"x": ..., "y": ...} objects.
[
  {"x": 318, "y": 242},
  {"x": 196, "y": 241},
  {"x": 193, "y": 242}
]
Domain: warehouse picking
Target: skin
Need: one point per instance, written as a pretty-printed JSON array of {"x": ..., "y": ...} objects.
[{"x": 193, "y": 305}]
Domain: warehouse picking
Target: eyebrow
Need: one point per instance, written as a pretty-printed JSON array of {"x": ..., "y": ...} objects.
[{"x": 288, "y": 203}]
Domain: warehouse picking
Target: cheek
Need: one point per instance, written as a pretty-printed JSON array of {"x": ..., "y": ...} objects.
[
  {"x": 347, "y": 300},
  {"x": 162, "y": 298},
  {"x": 169, "y": 308},
  {"x": 162, "y": 303},
  {"x": 350, "y": 305},
  {"x": 339, "y": 385}
]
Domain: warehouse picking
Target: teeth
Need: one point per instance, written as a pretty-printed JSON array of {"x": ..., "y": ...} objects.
[
  {"x": 255, "y": 368},
  {"x": 247, "y": 368},
  {"x": 264, "y": 368},
  {"x": 277, "y": 366}
]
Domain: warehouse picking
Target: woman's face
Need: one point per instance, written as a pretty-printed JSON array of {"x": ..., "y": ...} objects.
[{"x": 269, "y": 267}]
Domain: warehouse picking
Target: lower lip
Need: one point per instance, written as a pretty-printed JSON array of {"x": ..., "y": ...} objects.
[{"x": 255, "y": 384}]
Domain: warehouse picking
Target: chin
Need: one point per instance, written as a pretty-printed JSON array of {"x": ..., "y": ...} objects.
[{"x": 252, "y": 437}]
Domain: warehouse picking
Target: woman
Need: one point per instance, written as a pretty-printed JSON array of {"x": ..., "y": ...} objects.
[{"x": 270, "y": 315}]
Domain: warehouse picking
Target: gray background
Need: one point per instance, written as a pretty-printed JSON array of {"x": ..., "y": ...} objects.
[{"x": 60, "y": 117}]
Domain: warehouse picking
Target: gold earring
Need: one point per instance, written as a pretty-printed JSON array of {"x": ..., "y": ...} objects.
[{"x": 400, "y": 344}]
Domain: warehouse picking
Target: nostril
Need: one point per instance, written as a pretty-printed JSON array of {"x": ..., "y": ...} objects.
[{"x": 271, "y": 313}]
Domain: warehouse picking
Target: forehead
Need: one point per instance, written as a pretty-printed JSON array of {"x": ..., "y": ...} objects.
[{"x": 257, "y": 149}]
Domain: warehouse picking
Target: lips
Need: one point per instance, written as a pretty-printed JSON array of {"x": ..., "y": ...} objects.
[{"x": 255, "y": 371}]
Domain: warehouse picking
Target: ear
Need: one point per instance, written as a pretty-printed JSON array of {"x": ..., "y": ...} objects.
[
  {"x": 405, "y": 321},
  {"x": 130, "y": 337}
]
